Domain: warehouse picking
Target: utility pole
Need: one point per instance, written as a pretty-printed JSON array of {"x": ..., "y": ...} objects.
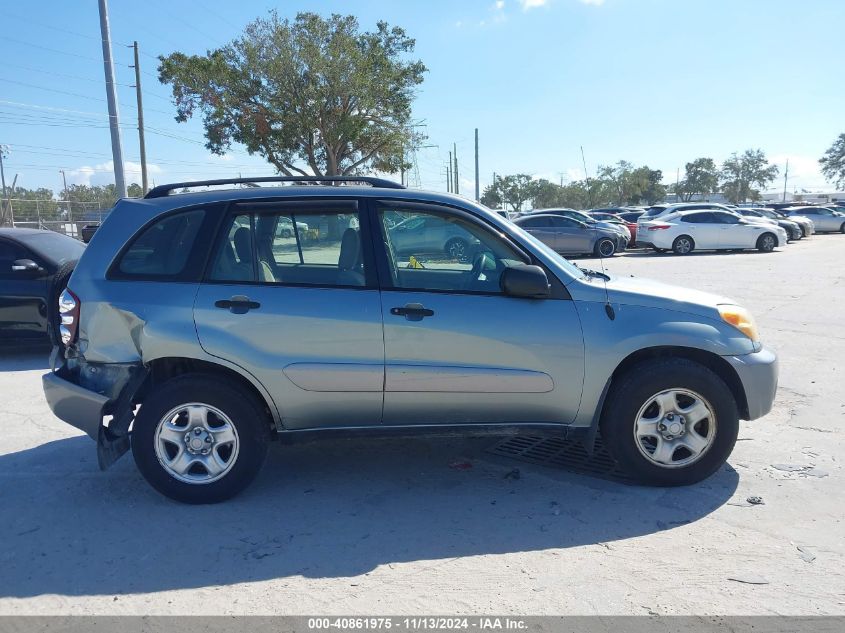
[
  {"x": 67, "y": 195},
  {"x": 111, "y": 95},
  {"x": 450, "y": 183},
  {"x": 456, "y": 188},
  {"x": 477, "y": 184},
  {"x": 785, "y": 177},
  {"x": 587, "y": 178},
  {"x": 3, "y": 150},
  {"x": 137, "y": 68}
]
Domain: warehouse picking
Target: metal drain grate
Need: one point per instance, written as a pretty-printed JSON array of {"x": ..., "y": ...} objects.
[{"x": 556, "y": 452}]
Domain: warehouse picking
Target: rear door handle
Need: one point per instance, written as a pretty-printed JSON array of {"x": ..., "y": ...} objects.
[
  {"x": 238, "y": 304},
  {"x": 412, "y": 312}
]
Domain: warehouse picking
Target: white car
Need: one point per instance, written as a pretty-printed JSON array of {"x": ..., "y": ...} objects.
[
  {"x": 824, "y": 219},
  {"x": 686, "y": 231}
]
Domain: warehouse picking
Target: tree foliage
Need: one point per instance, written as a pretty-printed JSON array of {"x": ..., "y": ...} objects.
[
  {"x": 701, "y": 178},
  {"x": 514, "y": 191},
  {"x": 309, "y": 95},
  {"x": 833, "y": 162},
  {"x": 624, "y": 184},
  {"x": 742, "y": 174}
]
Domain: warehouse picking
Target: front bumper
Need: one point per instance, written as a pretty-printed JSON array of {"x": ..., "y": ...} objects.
[
  {"x": 758, "y": 373},
  {"x": 75, "y": 405}
]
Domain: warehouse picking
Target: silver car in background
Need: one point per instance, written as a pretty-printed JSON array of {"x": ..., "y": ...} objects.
[
  {"x": 824, "y": 219},
  {"x": 570, "y": 237}
]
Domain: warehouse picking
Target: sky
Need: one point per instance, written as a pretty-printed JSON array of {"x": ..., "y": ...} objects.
[{"x": 653, "y": 82}]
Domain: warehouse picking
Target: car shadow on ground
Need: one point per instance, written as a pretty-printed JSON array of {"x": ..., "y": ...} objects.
[
  {"x": 337, "y": 508},
  {"x": 669, "y": 253},
  {"x": 24, "y": 357}
]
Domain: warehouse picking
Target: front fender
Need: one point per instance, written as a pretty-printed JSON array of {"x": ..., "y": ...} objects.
[{"x": 634, "y": 328}]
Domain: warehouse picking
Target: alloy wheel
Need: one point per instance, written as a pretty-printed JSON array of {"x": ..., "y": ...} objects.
[{"x": 196, "y": 443}]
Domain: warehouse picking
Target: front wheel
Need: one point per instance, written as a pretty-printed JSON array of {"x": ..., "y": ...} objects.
[
  {"x": 670, "y": 422},
  {"x": 604, "y": 248},
  {"x": 842, "y": 228},
  {"x": 197, "y": 439},
  {"x": 766, "y": 243}
]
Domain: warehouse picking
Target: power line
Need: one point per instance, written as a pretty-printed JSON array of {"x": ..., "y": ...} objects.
[
  {"x": 52, "y": 50},
  {"x": 29, "y": 20}
]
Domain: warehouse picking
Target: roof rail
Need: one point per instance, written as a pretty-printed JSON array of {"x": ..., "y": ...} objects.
[{"x": 164, "y": 190}]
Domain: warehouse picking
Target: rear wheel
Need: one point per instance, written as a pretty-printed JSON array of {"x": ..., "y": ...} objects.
[
  {"x": 457, "y": 249},
  {"x": 683, "y": 245},
  {"x": 198, "y": 439},
  {"x": 605, "y": 247},
  {"x": 766, "y": 243},
  {"x": 670, "y": 422}
]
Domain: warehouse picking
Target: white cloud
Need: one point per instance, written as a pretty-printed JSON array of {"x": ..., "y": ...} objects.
[
  {"x": 595, "y": 3},
  {"x": 499, "y": 5},
  {"x": 103, "y": 173},
  {"x": 532, "y": 4},
  {"x": 804, "y": 172}
]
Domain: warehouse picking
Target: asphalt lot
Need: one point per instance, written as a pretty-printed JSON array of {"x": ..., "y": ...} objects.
[{"x": 389, "y": 527}]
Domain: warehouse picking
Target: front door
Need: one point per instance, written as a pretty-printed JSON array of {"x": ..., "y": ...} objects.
[
  {"x": 23, "y": 305},
  {"x": 459, "y": 351},
  {"x": 291, "y": 296}
]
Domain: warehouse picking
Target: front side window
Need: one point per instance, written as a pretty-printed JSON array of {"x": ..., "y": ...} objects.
[
  {"x": 430, "y": 250},
  {"x": 162, "y": 249},
  {"x": 9, "y": 253},
  {"x": 309, "y": 246}
]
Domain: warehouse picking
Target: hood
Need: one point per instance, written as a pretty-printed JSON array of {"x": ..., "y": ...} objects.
[{"x": 649, "y": 293}]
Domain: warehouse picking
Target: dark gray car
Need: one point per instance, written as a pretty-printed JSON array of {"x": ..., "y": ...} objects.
[{"x": 569, "y": 237}]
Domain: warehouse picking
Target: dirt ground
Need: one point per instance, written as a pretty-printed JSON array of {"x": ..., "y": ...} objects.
[{"x": 363, "y": 527}]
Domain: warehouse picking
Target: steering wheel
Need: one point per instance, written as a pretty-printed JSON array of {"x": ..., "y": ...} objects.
[{"x": 480, "y": 263}]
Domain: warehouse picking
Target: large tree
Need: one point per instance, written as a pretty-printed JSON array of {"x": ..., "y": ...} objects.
[
  {"x": 701, "y": 178},
  {"x": 742, "y": 174},
  {"x": 623, "y": 184},
  {"x": 514, "y": 190},
  {"x": 833, "y": 162},
  {"x": 313, "y": 96}
]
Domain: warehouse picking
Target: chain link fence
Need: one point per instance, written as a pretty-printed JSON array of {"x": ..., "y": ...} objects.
[{"x": 62, "y": 216}]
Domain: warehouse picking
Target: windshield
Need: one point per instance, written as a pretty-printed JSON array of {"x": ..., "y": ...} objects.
[{"x": 55, "y": 247}]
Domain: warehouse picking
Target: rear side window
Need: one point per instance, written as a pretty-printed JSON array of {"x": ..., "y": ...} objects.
[{"x": 162, "y": 249}]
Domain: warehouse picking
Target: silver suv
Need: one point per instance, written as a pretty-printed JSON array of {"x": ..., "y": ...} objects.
[{"x": 195, "y": 331}]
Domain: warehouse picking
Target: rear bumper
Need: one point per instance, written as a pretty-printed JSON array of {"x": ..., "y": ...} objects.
[
  {"x": 79, "y": 407},
  {"x": 758, "y": 373}
]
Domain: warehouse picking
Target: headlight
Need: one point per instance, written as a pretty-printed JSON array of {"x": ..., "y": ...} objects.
[{"x": 741, "y": 319}]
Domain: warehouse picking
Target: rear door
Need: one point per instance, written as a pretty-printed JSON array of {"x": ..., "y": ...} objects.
[
  {"x": 300, "y": 313},
  {"x": 459, "y": 351},
  {"x": 571, "y": 237}
]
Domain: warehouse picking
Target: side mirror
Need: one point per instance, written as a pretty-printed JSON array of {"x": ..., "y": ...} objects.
[
  {"x": 26, "y": 266},
  {"x": 525, "y": 281}
]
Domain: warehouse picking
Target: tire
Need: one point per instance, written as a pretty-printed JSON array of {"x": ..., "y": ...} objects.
[
  {"x": 241, "y": 457},
  {"x": 683, "y": 245},
  {"x": 57, "y": 286},
  {"x": 605, "y": 247},
  {"x": 766, "y": 243},
  {"x": 287, "y": 233},
  {"x": 842, "y": 228},
  {"x": 457, "y": 249},
  {"x": 636, "y": 388},
  {"x": 803, "y": 231}
]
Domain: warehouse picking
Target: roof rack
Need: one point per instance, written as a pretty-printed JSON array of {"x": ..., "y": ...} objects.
[{"x": 164, "y": 190}]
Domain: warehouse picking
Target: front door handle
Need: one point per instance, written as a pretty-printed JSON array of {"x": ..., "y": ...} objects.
[
  {"x": 238, "y": 304},
  {"x": 412, "y": 312}
]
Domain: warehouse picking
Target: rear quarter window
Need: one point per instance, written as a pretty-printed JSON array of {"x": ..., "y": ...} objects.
[{"x": 162, "y": 250}]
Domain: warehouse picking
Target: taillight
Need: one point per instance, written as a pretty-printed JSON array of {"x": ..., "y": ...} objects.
[
  {"x": 69, "y": 315},
  {"x": 659, "y": 227}
]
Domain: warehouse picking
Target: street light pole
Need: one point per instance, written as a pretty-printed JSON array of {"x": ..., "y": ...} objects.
[{"x": 111, "y": 95}]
